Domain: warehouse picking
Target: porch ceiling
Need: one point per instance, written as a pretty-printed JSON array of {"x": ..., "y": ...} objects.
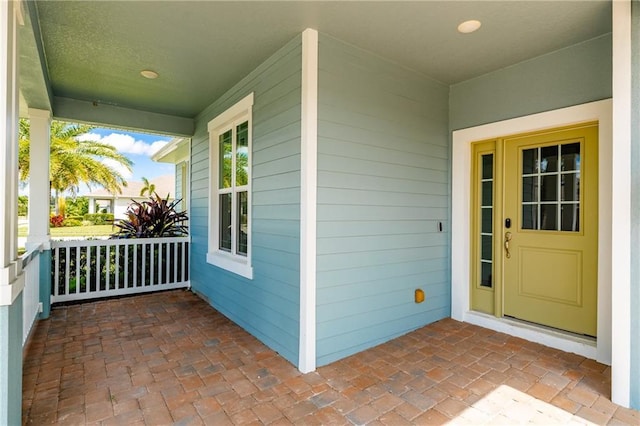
[{"x": 95, "y": 50}]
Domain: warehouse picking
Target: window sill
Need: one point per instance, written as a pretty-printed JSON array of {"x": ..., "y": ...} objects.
[{"x": 231, "y": 263}]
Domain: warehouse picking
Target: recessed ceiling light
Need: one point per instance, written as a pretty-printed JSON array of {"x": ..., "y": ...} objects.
[
  {"x": 469, "y": 26},
  {"x": 151, "y": 75}
]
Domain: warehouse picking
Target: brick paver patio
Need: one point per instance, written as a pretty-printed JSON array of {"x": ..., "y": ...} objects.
[{"x": 169, "y": 358}]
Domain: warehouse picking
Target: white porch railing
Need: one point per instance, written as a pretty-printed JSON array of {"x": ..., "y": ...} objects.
[
  {"x": 89, "y": 269},
  {"x": 31, "y": 292}
]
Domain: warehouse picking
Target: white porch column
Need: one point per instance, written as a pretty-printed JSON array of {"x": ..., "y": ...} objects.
[
  {"x": 621, "y": 206},
  {"x": 308, "y": 201},
  {"x": 39, "y": 190},
  {"x": 11, "y": 277}
]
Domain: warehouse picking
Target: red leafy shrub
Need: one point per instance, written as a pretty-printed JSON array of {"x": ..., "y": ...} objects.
[{"x": 56, "y": 221}]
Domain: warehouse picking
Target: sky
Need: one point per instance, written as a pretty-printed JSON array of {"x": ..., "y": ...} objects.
[{"x": 138, "y": 147}]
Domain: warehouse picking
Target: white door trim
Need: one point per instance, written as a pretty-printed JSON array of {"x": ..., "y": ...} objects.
[{"x": 460, "y": 246}]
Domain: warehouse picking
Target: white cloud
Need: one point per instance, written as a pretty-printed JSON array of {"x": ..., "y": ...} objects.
[{"x": 125, "y": 144}]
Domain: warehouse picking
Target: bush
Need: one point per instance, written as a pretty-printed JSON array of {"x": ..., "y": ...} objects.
[
  {"x": 154, "y": 218},
  {"x": 23, "y": 205},
  {"x": 87, "y": 223},
  {"x": 72, "y": 222},
  {"x": 99, "y": 218},
  {"x": 56, "y": 221},
  {"x": 77, "y": 207},
  {"x": 78, "y": 218}
]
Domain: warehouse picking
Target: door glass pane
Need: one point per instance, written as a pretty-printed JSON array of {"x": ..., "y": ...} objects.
[
  {"x": 486, "y": 270},
  {"x": 570, "y": 189},
  {"x": 530, "y": 161},
  {"x": 242, "y": 222},
  {"x": 225, "y": 222},
  {"x": 549, "y": 159},
  {"x": 570, "y": 214},
  {"x": 242, "y": 154},
  {"x": 487, "y": 220},
  {"x": 487, "y": 166},
  {"x": 487, "y": 193},
  {"x": 530, "y": 216},
  {"x": 487, "y": 251},
  {"x": 570, "y": 156},
  {"x": 225, "y": 159},
  {"x": 530, "y": 189},
  {"x": 548, "y": 187},
  {"x": 549, "y": 217}
]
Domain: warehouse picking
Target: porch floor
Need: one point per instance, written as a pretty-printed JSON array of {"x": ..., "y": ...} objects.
[{"x": 169, "y": 358}]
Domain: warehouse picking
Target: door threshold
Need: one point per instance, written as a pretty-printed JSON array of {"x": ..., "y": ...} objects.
[
  {"x": 549, "y": 328},
  {"x": 557, "y": 339}
]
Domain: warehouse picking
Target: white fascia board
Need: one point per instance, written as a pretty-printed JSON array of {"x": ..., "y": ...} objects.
[{"x": 170, "y": 148}]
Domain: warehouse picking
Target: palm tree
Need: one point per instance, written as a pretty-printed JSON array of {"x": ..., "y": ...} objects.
[
  {"x": 148, "y": 187},
  {"x": 73, "y": 162}
]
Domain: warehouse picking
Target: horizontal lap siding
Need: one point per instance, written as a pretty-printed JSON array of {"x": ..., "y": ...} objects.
[
  {"x": 268, "y": 305},
  {"x": 178, "y": 182},
  {"x": 383, "y": 170},
  {"x": 571, "y": 76}
]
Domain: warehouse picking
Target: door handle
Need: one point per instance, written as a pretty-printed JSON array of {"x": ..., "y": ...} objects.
[{"x": 507, "y": 238}]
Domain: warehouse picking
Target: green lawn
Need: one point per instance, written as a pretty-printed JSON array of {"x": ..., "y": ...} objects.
[{"x": 74, "y": 231}]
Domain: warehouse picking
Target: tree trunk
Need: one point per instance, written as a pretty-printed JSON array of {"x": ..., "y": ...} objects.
[{"x": 61, "y": 204}]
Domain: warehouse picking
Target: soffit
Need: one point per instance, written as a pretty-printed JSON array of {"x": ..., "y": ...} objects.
[{"x": 94, "y": 50}]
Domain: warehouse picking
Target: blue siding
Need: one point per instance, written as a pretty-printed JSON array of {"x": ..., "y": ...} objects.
[
  {"x": 383, "y": 170},
  {"x": 268, "y": 305},
  {"x": 11, "y": 362},
  {"x": 575, "y": 75}
]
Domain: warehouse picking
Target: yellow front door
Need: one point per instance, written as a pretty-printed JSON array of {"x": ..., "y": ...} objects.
[{"x": 550, "y": 228}]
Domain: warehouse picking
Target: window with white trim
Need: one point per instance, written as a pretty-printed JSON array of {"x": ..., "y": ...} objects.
[{"x": 230, "y": 189}]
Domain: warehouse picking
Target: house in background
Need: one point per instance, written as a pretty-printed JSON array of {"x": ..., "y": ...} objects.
[
  {"x": 177, "y": 152},
  {"x": 337, "y": 169},
  {"x": 102, "y": 201}
]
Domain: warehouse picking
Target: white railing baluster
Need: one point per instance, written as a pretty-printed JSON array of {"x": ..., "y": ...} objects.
[
  {"x": 88, "y": 270},
  {"x": 67, "y": 270},
  {"x": 185, "y": 247},
  {"x": 160, "y": 259},
  {"x": 135, "y": 264},
  {"x": 56, "y": 285},
  {"x": 175, "y": 258},
  {"x": 98, "y": 270},
  {"x": 78, "y": 269},
  {"x": 116, "y": 276},
  {"x": 144, "y": 264},
  {"x": 125, "y": 283},
  {"x": 167, "y": 265},
  {"x": 107, "y": 263},
  {"x": 152, "y": 271}
]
